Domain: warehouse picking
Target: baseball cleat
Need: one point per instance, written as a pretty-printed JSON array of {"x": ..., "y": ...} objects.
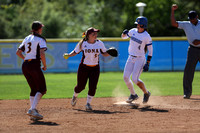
[
  {"x": 34, "y": 119},
  {"x": 186, "y": 96},
  {"x": 88, "y": 107},
  {"x": 34, "y": 113},
  {"x": 74, "y": 100},
  {"x": 146, "y": 97},
  {"x": 29, "y": 112},
  {"x": 132, "y": 98}
]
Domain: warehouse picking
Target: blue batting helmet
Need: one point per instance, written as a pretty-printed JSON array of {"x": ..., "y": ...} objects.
[{"x": 142, "y": 20}]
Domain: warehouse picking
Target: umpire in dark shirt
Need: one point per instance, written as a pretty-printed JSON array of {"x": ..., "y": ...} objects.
[{"x": 192, "y": 31}]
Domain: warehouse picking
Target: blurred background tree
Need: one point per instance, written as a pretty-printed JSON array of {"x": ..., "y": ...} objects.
[{"x": 69, "y": 19}]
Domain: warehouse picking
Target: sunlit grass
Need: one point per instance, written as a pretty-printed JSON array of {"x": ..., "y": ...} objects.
[{"x": 110, "y": 84}]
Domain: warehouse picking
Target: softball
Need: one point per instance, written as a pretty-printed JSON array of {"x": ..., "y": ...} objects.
[
  {"x": 66, "y": 56},
  {"x": 175, "y": 6}
]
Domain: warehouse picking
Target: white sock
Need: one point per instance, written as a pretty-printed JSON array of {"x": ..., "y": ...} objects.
[
  {"x": 75, "y": 94},
  {"x": 89, "y": 99},
  {"x": 37, "y": 98},
  {"x": 31, "y": 101}
]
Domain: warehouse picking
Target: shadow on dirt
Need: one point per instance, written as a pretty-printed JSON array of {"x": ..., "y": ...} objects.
[
  {"x": 44, "y": 123},
  {"x": 100, "y": 111},
  {"x": 195, "y": 99},
  {"x": 148, "y": 108}
]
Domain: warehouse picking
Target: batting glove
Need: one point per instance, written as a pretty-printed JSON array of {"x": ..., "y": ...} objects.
[
  {"x": 146, "y": 67},
  {"x": 125, "y": 31}
]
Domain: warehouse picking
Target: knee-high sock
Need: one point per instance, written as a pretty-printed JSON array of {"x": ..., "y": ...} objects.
[
  {"x": 75, "y": 94},
  {"x": 37, "y": 98},
  {"x": 31, "y": 100},
  {"x": 89, "y": 99}
]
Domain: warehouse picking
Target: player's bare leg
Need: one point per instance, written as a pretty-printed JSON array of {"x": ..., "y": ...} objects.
[
  {"x": 147, "y": 94},
  {"x": 142, "y": 87}
]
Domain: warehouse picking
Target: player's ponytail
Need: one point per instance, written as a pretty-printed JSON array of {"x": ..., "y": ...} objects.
[
  {"x": 85, "y": 38},
  {"x": 38, "y": 35},
  {"x": 81, "y": 42},
  {"x": 36, "y": 25}
]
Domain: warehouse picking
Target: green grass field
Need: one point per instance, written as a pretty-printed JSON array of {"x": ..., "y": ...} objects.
[{"x": 110, "y": 84}]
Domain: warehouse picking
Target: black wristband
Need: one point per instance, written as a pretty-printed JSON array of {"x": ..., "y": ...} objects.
[{"x": 149, "y": 58}]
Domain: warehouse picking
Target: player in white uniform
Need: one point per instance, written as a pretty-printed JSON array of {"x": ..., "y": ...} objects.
[
  {"x": 89, "y": 68},
  {"x": 34, "y": 47},
  {"x": 139, "y": 40}
]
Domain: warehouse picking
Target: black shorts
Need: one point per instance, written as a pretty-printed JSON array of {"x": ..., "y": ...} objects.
[{"x": 34, "y": 76}]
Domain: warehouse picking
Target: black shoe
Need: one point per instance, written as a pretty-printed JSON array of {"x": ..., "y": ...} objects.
[
  {"x": 146, "y": 97},
  {"x": 132, "y": 98},
  {"x": 186, "y": 96}
]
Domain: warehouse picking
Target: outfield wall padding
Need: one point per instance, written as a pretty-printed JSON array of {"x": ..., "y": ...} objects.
[{"x": 169, "y": 54}]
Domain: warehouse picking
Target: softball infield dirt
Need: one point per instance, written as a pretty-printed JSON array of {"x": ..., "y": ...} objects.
[{"x": 170, "y": 114}]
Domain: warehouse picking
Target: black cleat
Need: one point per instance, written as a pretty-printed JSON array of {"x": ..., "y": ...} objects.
[
  {"x": 146, "y": 97},
  {"x": 132, "y": 98},
  {"x": 186, "y": 96}
]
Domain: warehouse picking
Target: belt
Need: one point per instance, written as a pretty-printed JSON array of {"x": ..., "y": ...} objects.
[
  {"x": 194, "y": 46},
  {"x": 90, "y": 65},
  {"x": 133, "y": 56},
  {"x": 28, "y": 60}
]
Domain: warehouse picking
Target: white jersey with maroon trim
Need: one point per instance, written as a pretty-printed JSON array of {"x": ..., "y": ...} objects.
[
  {"x": 30, "y": 46},
  {"x": 91, "y": 52},
  {"x": 138, "y": 41}
]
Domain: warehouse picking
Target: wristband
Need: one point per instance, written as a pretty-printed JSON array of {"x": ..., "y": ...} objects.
[{"x": 149, "y": 58}]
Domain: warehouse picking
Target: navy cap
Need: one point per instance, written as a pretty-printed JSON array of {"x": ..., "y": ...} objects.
[{"x": 192, "y": 14}]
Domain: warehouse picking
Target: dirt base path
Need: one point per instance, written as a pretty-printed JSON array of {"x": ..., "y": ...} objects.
[{"x": 161, "y": 115}]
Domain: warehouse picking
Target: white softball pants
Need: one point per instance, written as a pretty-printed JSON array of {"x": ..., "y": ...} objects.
[{"x": 134, "y": 67}]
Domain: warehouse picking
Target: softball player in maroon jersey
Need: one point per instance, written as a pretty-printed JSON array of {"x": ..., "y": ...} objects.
[
  {"x": 89, "y": 68},
  {"x": 34, "y": 47},
  {"x": 139, "y": 39}
]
